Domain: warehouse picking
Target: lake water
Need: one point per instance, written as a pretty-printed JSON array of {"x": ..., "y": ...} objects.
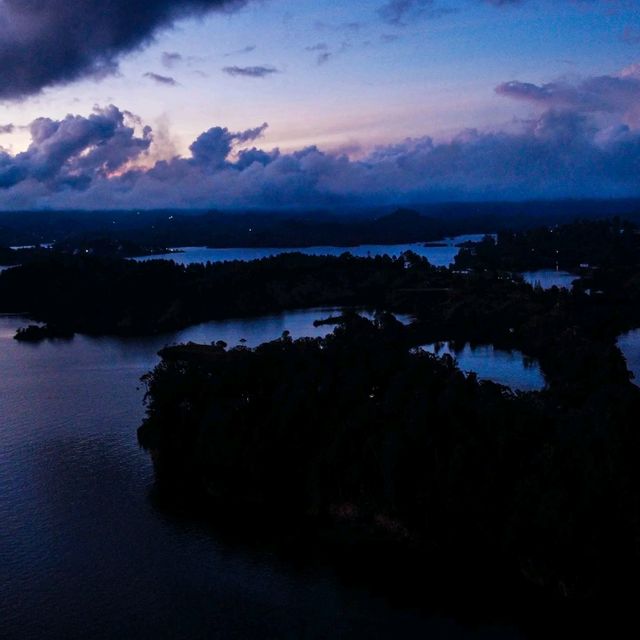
[
  {"x": 629, "y": 344},
  {"x": 510, "y": 368},
  {"x": 437, "y": 256},
  {"x": 84, "y": 553},
  {"x": 548, "y": 278}
]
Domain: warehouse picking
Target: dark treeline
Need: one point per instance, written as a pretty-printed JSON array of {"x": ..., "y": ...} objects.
[
  {"x": 358, "y": 432},
  {"x": 149, "y": 232},
  {"x": 603, "y": 243},
  {"x": 110, "y": 296},
  {"x": 566, "y": 330},
  {"x": 154, "y": 229},
  {"x": 11, "y": 257}
]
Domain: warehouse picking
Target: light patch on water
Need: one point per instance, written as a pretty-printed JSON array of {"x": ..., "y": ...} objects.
[{"x": 510, "y": 368}]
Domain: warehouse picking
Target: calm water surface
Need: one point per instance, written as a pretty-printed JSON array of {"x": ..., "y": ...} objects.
[
  {"x": 84, "y": 554},
  {"x": 511, "y": 368},
  {"x": 548, "y": 278},
  {"x": 629, "y": 344},
  {"x": 438, "y": 256}
]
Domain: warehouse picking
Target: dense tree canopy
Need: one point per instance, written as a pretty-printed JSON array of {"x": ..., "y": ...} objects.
[{"x": 357, "y": 426}]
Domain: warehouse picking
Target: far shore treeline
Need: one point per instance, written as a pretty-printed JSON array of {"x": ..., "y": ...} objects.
[{"x": 297, "y": 228}]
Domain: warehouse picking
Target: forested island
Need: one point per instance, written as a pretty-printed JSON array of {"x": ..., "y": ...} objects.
[
  {"x": 365, "y": 435},
  {"x": 360, "y": 435}
]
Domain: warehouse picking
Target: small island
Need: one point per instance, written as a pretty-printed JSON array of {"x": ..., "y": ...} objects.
[{"x": 38, "y": 333}]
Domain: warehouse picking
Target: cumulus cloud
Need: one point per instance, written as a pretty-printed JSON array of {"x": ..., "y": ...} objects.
[
  {"x": 160, "y": 79},
  {"x": 50, "y": 42},
  {"x": 250, "y": 72},
  {"x": 74, "y": 152},
  {"x": 579, "y": 142},
  {"x": 212, "y": 148}
]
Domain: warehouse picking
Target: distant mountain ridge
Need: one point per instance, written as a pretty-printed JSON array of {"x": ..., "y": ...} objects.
[{"x": 418, "y": 223}]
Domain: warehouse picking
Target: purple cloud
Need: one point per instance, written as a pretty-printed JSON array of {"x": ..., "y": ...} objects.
[
  {"x": 212, "y": 148},
  {"x": 248, "y": 49},
  {"x": 160, "y": 79},
  {"x": 170, "y": 59},
  {"x": 51, "y": 42},
  {"x": 76, "y": 151},
  {"x": 395, "y": 12},
  {"x": 250, "y": 72},
  {"x": 618, "y": 95}
]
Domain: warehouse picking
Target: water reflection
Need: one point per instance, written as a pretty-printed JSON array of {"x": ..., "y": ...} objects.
[
  {"x": 439, "y": 256},
  {"x": 548, "y": 278},
  {"x": 629, "y": 344},
  {"x": 510, "y": 368}
]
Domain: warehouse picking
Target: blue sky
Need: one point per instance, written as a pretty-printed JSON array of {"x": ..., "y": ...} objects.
[{"x": 346, "y": 76}]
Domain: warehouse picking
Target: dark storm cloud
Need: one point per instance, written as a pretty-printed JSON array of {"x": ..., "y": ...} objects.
[
  {"x": 160, "y": 79},
  {"x": 250, "y": 72},
  {"x": 49, "y": 42},
  {"x": 7, "y": 128}
]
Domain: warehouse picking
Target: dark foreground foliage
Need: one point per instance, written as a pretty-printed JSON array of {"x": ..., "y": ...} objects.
[{"x": 359, "y": 430}]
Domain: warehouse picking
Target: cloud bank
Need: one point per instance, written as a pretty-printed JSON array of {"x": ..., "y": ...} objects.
[
  {"x": 582, "y": 139},
  {"x": 51, "y": 42}
]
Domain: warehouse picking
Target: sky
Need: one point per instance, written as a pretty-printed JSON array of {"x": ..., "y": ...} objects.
[{"x": 294, "y": 103}]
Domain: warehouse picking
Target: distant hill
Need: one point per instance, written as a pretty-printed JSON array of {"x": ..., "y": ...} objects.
[{"x": 417, "y": 223}]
